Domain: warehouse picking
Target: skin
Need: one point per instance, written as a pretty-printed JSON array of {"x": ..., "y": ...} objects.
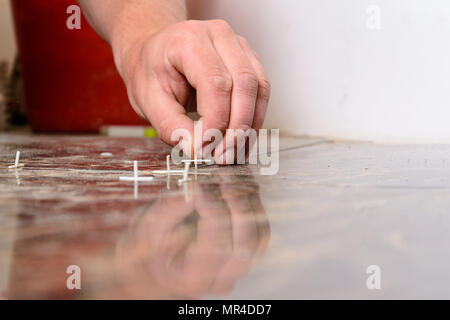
[
  {"x": 171, "y": 65},
  {"x": 177, "y": 249}
]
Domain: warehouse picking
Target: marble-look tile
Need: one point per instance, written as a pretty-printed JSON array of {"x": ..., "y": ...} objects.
[
  {"x": 310, "y": 231},
  {"x": 68, "y": 207}
]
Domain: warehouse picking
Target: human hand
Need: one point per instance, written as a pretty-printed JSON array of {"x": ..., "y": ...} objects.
[{"x": 198, "y": 66}]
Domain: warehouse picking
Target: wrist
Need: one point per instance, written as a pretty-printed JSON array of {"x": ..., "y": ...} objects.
[
  {"x": 128, "y": 37},
  {"x": 126, "y": 49}
]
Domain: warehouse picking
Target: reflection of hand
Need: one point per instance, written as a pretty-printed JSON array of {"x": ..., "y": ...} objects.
[{"x": 190, "y": 249}]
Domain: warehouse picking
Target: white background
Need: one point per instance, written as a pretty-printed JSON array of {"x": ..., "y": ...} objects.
[{"x": 332, "y": 76}]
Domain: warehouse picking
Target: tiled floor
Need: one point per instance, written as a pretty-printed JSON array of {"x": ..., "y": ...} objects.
[{"x": 310, "y": 231}]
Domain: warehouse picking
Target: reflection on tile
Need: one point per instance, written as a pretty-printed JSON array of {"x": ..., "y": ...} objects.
[
  {"x": 310, "y": 231},
  {"x": 71, "y": 209}
]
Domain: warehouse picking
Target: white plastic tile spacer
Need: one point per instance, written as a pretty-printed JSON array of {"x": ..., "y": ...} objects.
[
  {"x": 172, "y": 172},
  {"x": 167, "y": 171},
  {"x": 16, "y": 163},
  {"x": 187, "y": 198},
  {"x": 176, "y": 172},
  {"x": 106, "y": 154},
  {"x": 139, "y": 179},
  {"x": 197, "y": 161},
  {"x": 135, "y": 176},
  {"x": 185, "y": 173}
]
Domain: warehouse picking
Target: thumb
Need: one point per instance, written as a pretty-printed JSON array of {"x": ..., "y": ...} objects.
[{"x": 170, "y": 120}]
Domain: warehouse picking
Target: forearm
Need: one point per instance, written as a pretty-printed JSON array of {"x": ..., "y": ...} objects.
[{"x": 121, "y": 22}]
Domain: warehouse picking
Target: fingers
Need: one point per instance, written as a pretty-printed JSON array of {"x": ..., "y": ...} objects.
[
  {"x": 232, "y": 90},
  {"x": 260, "y": 217},
  {"x": 251, "y": 90},
  {"x": 186, "y": 257},
  {"x": 168, "y": 117},
  {"x": 245, "y": 85},
  {"x": 264, "y": 87},
  {"x": 245, "y": 232},
  {"x": 213, "y": 245},
  {"x": 214, "y": 226},
  {"x": 245, "y": 80},
  {"x": 199, "y": 61}
]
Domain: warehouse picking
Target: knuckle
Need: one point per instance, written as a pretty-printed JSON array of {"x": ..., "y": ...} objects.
[
  {"x": 265, "y": 88},
  {"x": 243, "y": 40},
  {"x": 221, "y": 24},
  {"x": 164, "y": 130},
  {"x": 222, "y": 83},
  {"x": 220, "y": 123},
  {"x": 258, "y": 119},
  {"x": 222, "y": 120},
  {"x": 190, "y": 25},
  {"x": 186, "y": 31},
  {"x": 244, "y": 127},
  {"x": 247, "y": 81},
  {"x": 256, "y": 55}
]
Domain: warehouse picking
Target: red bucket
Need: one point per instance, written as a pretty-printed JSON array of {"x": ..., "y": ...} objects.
[{"x": 70, "y": 81}]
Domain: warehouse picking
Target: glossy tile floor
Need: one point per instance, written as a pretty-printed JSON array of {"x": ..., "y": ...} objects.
[{"x": 311, "y": 231}]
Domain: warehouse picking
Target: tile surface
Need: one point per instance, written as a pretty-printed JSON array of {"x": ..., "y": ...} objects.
[{"x": 310, "y": 231}]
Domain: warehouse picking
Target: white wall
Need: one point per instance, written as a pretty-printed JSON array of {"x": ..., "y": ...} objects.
[{"x": 333, "y": 76}]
